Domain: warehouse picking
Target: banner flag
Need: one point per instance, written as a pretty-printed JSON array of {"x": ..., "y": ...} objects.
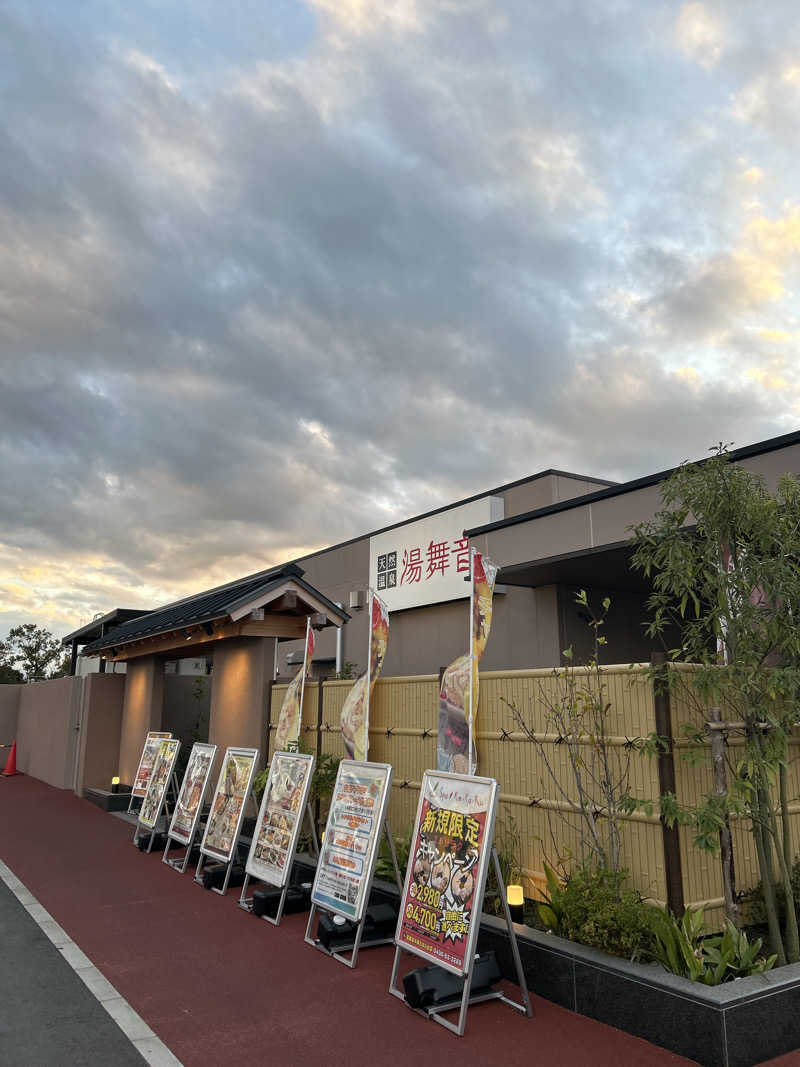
[
  {"x": 287, "y": 735},
  {"x": 451, "y": 844},
  {"x": 458, "y": 694},
  {"x": 355, "y": 710}
]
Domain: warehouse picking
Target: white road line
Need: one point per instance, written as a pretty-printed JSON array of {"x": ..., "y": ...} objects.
[{"x": 149, "y": 1046}]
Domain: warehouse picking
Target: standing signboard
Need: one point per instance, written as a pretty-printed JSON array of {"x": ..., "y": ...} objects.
[
  {"x": 227, "y": 809},
  {"x": 160, "y": 777},
  {"x": 277, "y": 829},
  {"x": 356, "y": 822},
  {"x": 189, "y": 805},
  {"x": 146, "y": 761},
  {"x": 442, "y": 899}
]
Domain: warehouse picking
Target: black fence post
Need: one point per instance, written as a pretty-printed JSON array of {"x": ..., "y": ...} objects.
[{"x": 666, "y": 784}]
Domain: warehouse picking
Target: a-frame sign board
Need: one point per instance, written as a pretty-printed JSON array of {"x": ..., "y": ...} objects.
[
  {"x": 349, "y": 850},
  {"x": 221, "y": 835},
  {"x": 152, "y": 743},
  {"x": 442, "y": 899},
  {"x": 163, "y": 773},
  {"x": 189, "y": 805},
  {"x": 277, "y": 830}
]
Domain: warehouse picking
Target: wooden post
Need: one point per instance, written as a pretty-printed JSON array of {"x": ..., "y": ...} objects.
[
  {"x": 725, "y": 840},
  {"x": 666, "y": 784}
]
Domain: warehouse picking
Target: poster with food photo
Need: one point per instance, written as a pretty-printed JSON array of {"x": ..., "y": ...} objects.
[
  {"x": 355, "y": 711},
  {"x": 149, "y": 752},
  {"x": 458, "y": 693},
  {"x": 227, "y": 807},
  {"x": 450, "y": 848},
  {"x": 159, "y": 782},
  {"x": 193, "y": 790},
  {"x": 352, "y": 835},
  {"x": 280, "y": 817},
  {"x": 287, "y": 733}
]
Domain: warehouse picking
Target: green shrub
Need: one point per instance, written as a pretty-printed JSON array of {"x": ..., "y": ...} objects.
[
  {"x": 596, "y": 907},
  {"x": 681, "y": 949},
  {"x": 754, "y": 911}
]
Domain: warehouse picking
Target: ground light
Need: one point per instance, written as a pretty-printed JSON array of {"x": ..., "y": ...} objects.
[
  {"x": 115, "y": 784},
  {"x": 516, "y": 902}
]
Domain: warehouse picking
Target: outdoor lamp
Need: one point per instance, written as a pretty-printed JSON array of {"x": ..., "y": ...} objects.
[
  {"x": 516, "y": 902},
  {"x": 115, "y": 784}
]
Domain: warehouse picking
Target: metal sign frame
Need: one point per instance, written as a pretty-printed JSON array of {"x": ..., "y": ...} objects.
[
  {"x": 246, "y": 903},
  {"x": 170, "y": 758},
  {"x": 379, "y": 827},
  {"x": 210, "y": 851},
  {"x": 257, "y": 868},
  {"x": 139, "y": 794},
  {"x": 462, "y": 1002},
  {"x": 173, "y": 833}
]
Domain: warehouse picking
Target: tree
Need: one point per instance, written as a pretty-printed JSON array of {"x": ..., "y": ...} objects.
[
  {"x": 32, "y": 651},
  {"x": 723, "y": 555},
  {"x": 9, "y": 675}
]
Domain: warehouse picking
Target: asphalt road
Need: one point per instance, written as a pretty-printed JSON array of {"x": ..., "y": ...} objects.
[{"x": 48, "y": 1017}]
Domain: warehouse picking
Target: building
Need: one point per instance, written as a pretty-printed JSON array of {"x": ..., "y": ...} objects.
[{"x": 551, "y": 534}]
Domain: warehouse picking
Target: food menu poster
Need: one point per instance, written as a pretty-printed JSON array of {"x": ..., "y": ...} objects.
[
  {"x": 349, "y": 847},
  {"x": 192, "y": 791},
  {"x": 443, "y": 892},
  {"x": 227, "y": 807},
  {"x": 280, "y": 818},
  {"x": 159, "y": 781},
  {"x": 152, "y": 743}
]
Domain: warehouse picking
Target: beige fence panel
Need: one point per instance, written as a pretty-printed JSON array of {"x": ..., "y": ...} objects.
[{"x": 403, "y": 725}]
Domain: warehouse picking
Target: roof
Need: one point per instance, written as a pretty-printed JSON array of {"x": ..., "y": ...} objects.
[
  {"x": 209, "y": 606},
  {"x": 772, "y": 445},
  {"x": 95, "y": 628}
]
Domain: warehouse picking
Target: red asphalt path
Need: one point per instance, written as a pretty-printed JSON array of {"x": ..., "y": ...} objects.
[{"x": 221, "y": 987}]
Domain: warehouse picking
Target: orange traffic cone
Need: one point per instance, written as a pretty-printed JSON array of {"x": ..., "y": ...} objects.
[{"x": 11, "y": 766}]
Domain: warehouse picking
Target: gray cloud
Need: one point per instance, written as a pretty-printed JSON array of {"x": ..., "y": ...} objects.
[{"x": 254, "y": 304}]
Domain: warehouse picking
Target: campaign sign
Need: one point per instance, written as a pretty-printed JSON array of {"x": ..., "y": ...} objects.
[
  {"x": 280, "y": 817},
  {"x": 352, "y": 835},
  {"x": 440, "y": 911}
]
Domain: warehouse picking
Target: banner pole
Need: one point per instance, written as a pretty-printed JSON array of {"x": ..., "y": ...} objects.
[
  {"x": 302, "y": 686},
  {"x": 471, "y": 742},
  {"x": 370, "y": 600}
]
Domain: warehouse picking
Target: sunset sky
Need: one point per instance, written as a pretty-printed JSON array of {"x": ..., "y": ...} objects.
[{"x": 276, "y": 274}]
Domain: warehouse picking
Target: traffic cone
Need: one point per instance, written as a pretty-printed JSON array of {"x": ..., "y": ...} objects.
[{"x": 11, "y": 765}]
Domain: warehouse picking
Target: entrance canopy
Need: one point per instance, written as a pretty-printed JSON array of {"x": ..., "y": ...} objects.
[{"x": 274, "y": 603}]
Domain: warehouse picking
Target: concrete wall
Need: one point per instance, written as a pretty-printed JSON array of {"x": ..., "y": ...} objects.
[
  {"x": 240, "y": 690},
  {"x": 142, "y": 711},
  {"x": 101, "y": 731},
  {"x": 47, "y": 730},
  {"x": 9, "y": 713}
]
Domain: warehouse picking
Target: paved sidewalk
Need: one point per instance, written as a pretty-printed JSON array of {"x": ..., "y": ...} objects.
[
  {"x": 221, "y": 987},
  {"x": 48, "y": 1015}
]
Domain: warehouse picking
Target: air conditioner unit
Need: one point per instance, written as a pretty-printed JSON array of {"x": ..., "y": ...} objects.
[{"x": 357, "y": 599}]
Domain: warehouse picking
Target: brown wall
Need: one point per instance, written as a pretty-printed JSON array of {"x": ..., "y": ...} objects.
[
  {"x": 101, "y": 731},
  {"x": 47, "y": 732},
  {"x": 142, "y": 710},
  {"x": 240, "y": 685},
  {"x": 9, "y": 713}
]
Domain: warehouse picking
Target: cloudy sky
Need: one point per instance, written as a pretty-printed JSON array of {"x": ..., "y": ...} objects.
[{"x": 275, "y": 274}]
